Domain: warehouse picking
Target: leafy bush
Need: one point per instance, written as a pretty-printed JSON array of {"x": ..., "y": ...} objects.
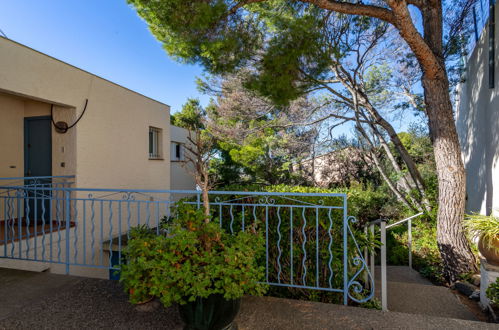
[
  {"x": 366, "y": 204},
  {"x": 136, "y": 275},
  {"x": 195, "y": 259},
  {"x": 493, "y": 293}
]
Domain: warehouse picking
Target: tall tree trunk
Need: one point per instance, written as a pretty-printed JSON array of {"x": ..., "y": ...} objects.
[{"x": 452, "y": 242}]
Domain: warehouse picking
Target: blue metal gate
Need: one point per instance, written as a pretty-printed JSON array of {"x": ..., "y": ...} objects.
[{"x": 310, "y": 241}]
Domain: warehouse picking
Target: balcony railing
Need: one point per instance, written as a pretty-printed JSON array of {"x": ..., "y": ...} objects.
[{"x": 310, "y": 241}]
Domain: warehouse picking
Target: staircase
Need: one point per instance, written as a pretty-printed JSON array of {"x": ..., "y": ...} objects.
[
  {"x": 402, "y": 289},
  {"x": 409, "y": 292}
]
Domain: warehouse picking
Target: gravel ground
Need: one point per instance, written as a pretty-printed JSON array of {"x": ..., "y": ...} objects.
[
  {"x": 91, "y": 304},
  {"x": 47, "y": 301}
]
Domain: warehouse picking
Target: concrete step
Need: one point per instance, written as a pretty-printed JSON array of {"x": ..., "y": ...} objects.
[
  {"x": 402, "y": 274},
  {"x": 278, "y": 313},
  {"x": 30, "y": 266},
  {"x": 409, "y": 292}
]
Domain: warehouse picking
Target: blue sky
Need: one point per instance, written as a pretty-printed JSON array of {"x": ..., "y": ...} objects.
[
  {"x": 104, "y": 37},
  {"x": 107, "y": 38}
]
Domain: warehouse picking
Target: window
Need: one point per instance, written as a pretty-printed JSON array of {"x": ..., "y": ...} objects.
[
  {"x": 154, "y": 143},
  {"x": 177, "y": 152}
]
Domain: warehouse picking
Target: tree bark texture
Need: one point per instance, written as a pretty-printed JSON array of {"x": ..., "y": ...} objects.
[{"x": 452, "y": 242}]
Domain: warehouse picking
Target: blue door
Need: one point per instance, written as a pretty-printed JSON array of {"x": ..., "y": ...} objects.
[{"x": 38, "y": 162}]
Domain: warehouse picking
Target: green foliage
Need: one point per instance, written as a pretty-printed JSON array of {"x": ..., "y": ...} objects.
[
  {"x": 366, "y": 204},
  {"x": 137, "y": 273},
  {"x": 377, "y": 79},
  {"x": 291, "y": 40},
  {"x": 374, "y": 303},
  {"x": 484, "y": 226},
  {"x": 196, "y": 259},
  {"x": 225, "y": 170},
  {"x": 199, "y": 31},
  {"x": 262, "y": 156},
  {"x": 295, "y": 48},
  {"x": 191, "y": 116},
  {"x": 493, "y": 292}
]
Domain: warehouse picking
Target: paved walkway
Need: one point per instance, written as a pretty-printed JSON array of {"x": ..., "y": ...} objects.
[
  {"x": 409, "y": 292},
  {"x": 42, "y": 300}
]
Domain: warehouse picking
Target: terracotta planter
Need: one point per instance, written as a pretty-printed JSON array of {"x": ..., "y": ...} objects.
[{"x": 490, "y": 250}]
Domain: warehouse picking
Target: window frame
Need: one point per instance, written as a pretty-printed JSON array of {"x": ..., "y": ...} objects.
[
  {"x": 155, "y": 143},
  {"x": 173, "y": 154}
]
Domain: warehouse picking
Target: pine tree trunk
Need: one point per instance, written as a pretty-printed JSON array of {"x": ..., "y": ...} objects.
[{"x": 452, "y": 242}]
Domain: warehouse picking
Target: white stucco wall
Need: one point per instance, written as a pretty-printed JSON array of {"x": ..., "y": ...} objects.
[{"x": 477, "y": 120}]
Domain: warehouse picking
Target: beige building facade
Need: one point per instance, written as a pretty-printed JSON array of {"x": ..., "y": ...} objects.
[
  {"x": 107, "y": 148},
  {"x": 477, "y": 120},
  {"x": 119, "y": 139},
  {"x": 181, "y": 171}
]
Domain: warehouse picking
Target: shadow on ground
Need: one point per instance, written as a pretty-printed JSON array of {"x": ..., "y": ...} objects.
[{"x": 42, "y": 300}]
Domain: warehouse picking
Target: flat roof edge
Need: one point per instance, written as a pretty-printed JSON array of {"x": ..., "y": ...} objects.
[{"x": 85, "y": 71}]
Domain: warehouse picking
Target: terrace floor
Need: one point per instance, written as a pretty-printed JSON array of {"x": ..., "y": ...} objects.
[
  {"x": 43, "y": 300},
  {"x": 15, "y": 230}
]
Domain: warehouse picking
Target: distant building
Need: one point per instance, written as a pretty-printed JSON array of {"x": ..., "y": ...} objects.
[{"x": 334, "y": 168}]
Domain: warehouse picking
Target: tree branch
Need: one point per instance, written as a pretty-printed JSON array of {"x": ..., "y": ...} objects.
[
  {"x": 425, "y": 55},
  {"x": 355, "y": 9}
]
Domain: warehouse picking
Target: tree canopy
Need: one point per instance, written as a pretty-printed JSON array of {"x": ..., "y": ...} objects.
[{"x": 286, "y": 44}]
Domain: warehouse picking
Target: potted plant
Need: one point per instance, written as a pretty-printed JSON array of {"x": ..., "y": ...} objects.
[
  {"x": 487, "y": 229},
  {"x": 201, "y": 267}
]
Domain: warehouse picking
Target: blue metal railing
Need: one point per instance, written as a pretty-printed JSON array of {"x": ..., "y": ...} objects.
[{"x": 310, "y": 241}]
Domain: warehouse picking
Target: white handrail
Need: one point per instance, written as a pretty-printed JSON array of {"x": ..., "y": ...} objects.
[
  {"x": 383, "y": 227},
  {"x": 404, "y": 220}
]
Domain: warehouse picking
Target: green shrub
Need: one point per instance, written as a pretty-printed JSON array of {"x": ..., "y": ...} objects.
[
  {"x": 493, "y": 293},
  {"x": 136, "y": 275},
  {"x": 195, "y": 259},
  {"x": 366, "y": 204}
]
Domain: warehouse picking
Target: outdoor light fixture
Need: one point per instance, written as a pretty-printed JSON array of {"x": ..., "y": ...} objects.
[{"x": 61, "y": 127}]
